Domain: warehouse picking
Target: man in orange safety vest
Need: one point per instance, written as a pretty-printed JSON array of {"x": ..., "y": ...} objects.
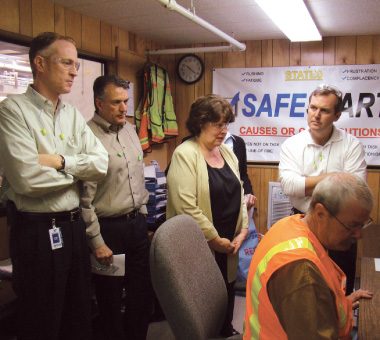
[{"x": 294, "y": 289}]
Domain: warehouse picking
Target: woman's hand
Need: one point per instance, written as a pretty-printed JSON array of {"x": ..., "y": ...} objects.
[
  {"x": 238, "y": 240},
  {"x": 357, "y": 295},
  {"x": 250, "y": 200},
  {"x": 221, "y": 245}
]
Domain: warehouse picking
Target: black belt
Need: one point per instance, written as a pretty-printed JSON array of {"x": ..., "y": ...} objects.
[
  {"x": 129, "y": 216},
  {"x": 62, "y": 216}
]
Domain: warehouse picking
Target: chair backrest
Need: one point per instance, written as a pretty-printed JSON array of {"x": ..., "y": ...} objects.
[{"x": 187, "y": 280}]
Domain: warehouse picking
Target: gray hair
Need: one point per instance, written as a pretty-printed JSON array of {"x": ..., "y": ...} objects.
[
  {"x": 101, "y": 82},
  {"x": 337, "y": 189}
]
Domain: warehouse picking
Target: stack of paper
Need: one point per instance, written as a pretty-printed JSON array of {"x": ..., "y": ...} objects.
[{"x": 155, "y": 183}]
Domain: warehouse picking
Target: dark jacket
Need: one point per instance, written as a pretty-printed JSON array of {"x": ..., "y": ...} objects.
[{"x": 241, "y": 153}]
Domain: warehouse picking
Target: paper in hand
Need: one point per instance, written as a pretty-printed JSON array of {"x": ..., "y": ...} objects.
[{"x": 117, "y": 268}]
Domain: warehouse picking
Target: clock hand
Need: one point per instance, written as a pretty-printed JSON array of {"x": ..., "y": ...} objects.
[{"x": 189, "y": 68}]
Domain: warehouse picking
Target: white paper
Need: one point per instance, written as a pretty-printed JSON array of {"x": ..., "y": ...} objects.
[
  {"x": 149, "y": 171},
  {"x": 116, "y": 269},
  {"x": 161, "y": 181},
  {"x": 377, "y": 265}
]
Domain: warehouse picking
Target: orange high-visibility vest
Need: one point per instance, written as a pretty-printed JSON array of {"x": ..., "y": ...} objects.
[
  {"x": 142, "y": 119},
  {"x": 287, "y": 241}
]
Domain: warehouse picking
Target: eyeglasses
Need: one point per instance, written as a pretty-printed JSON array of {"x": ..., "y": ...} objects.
[
  {"x": 357, "y": 227},
  {"x": 220, "y": 126},
  {"x": 67, "y": 63}
]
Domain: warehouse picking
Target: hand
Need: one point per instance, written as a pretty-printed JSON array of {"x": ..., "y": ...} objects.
[
  {"x": 103, "y": 255},
  {"x": 239, "y": 239},
  {"x": 221, "y": 245},
  {"x": 250, "y": 200},
  {"x": 52, "y": 161},
  {"x": 357, "y": 295}
]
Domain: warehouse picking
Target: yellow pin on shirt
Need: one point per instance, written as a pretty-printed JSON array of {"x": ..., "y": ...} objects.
[
  {"x": 62, "y": 136},
  {"x": 43, "y": 132}
]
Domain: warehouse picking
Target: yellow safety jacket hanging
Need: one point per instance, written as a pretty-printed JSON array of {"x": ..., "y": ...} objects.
[{"x": 155, "y": 117}]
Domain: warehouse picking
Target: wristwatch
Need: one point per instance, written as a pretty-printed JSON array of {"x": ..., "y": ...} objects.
[{"x": 63, "y": 163}]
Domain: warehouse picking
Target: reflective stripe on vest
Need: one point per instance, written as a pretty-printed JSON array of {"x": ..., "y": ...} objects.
[
  {"x": 342, "y": 316},
  {"x": 295, "y": 243}
]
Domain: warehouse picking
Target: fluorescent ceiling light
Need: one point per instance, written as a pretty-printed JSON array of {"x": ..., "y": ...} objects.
[{"x": 292, "y": 18}]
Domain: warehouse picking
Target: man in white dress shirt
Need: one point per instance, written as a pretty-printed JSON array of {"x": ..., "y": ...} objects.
[{"x": 317, "y": 152}]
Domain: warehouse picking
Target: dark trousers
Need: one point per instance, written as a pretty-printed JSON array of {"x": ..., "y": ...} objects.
[
  {"x": 52, "y": 286},
  {"x": 346, "y": 260},
  {"x": 221, "y": 260},
  {"x": 126, "y": 236}
]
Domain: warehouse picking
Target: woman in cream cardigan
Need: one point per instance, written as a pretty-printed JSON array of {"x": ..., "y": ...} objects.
[{"x": 203, "y": 182}]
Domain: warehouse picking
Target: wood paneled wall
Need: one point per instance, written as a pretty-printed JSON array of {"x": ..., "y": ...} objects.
[{"x": 26, "y": 18}]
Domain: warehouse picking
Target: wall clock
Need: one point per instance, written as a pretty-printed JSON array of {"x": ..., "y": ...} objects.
[{"x": 190, "y": 68}]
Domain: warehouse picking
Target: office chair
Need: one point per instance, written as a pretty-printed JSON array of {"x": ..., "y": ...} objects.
[{"x": 187, "y": 280}]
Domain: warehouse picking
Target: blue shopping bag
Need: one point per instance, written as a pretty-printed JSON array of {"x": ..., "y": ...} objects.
[{"x": 247, "y": 249}]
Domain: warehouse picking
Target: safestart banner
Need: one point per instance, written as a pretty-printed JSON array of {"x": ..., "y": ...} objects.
[{"x": 271, "y": 104}]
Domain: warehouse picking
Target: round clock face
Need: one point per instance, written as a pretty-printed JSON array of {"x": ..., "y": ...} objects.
[{"x": 190, "y": 68}]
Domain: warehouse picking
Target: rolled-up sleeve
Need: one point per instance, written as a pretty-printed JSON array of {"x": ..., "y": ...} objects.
[{"x": 87, "y": 195}]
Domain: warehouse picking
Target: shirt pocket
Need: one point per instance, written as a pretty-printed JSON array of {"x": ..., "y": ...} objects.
[{"x": 73, "y": 144}]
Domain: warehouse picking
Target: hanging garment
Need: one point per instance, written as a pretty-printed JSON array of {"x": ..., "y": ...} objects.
[
  {"x": 141, "y": 117},
  {"x": 155, "y": 117}
]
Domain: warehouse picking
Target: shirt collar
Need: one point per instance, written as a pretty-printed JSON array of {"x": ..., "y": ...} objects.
[
  {"x": 41, "y": 102},
  {"x": 228, "y": 136},
  {"x": 106, "y": 126},
  {"x": 336, "y": 136}
]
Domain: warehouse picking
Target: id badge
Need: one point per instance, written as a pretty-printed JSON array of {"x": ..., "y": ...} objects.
[{"x": 55, "y": 234}]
